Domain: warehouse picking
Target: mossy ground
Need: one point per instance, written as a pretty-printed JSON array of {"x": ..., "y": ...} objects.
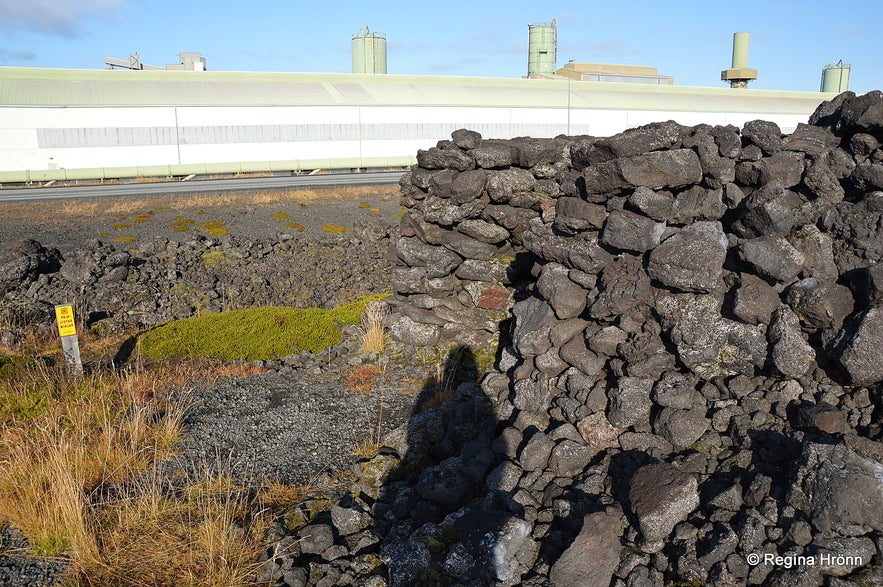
[{"x": 253, "y": 334}]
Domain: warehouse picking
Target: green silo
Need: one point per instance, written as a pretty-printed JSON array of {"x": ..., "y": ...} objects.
[
  {"x": 835, "y": 77},
  {"x": 542, "y": 49},
  {"x": 369, "y": 51}
]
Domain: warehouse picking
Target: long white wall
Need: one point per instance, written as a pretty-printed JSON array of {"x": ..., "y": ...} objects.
[{"x": 42, "y": 138}]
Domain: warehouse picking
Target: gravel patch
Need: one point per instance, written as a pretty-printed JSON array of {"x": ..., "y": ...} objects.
[
  {"x": 19, "y": 568},
  {"x": 286, "y": 425}
]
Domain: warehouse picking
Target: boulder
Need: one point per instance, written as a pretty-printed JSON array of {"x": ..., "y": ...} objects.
[
  {"x": 772, "y": 257},
  {"x": 501, "y": 185},
  {"x": 690, "y": 260},
  {"x": 435, "y": 158},
  {"x": 567, "y": 299},
  {"x": 755, "y": 300},
  {"x": 594, "y": 554},
  {"x": 790, "y": 354},
  {"x": 468, "y": 186},
  {"x": 573, "y": 215},
  {"x": 839, "y": 491},
  {"x": 492, "y": 156},
  {"x": 623, "y": 284},
  {"x": 658, "y": 205},
  {"x": 707, "y": 343},
  {"x": 22, "y": 261},
  {"x": 660, "y": 497},
  {"x": 629, "y": 401},
  {"x": 680, "y": 427},
  {"x": 858, "y": 351},
  {"x": 655, "y": 136},
  {"x": 631, "y": 232},
  {"x": 820, "y": 303},
  {"x": 662, "y": 169},
  {"x": 766, "y": 135},
  {"x": 465, "y": 138},
  {"x": 531, "y": 333},
  {"x": 483, "y": 231},
  {"x": 500, "y": 544}
]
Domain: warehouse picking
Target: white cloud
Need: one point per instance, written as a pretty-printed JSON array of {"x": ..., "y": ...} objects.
[{"x": 63, "y": 19}]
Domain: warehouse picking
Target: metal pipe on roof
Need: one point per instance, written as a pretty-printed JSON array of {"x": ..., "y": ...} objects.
[
  {"x": 739, "y": 73},
  {"x": 741, "y": 42}
]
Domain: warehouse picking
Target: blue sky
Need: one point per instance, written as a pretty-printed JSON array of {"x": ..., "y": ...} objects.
[{"x": 690, "y": 40}]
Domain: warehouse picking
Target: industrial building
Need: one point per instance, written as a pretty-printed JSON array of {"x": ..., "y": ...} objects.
[{"x": 64, "y": 124}]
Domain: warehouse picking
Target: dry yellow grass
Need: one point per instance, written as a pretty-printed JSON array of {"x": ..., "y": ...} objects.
[
  {"x": 83, "y": 436},
  {"x": 210, "y": 533},
  {"x": 361, "y": 379},
  {"x": 373, "y": 331},
  {"x": 124, "y": 206},
  {"x": 442, "y": 387},
  {"x": 78, "y": 476},
  {"x": 368, "y": 448}
]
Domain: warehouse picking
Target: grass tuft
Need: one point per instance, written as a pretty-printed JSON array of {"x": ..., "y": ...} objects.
[
  {"x": 373, "y": 331},
  {"x": 361, "y": 379}
]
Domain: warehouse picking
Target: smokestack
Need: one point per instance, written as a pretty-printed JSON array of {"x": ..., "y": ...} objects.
[{"x": 739, "y": 73}]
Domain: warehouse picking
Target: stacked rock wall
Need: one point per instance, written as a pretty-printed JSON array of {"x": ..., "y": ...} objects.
[
  {"x": 690, "y": 382},
  {"x": 728, "y": 247}
]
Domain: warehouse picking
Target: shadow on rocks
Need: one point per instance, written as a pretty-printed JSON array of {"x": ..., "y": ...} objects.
[
  {"x": 439, "y": 516},
  {"x": 423, "y": 510}
]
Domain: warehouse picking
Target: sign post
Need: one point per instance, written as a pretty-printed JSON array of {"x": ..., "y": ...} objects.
[{"x": 67, "y": 330}]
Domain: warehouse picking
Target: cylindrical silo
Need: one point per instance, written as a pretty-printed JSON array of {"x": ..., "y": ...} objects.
[
  {"x": 369, "y": 52},
  {"x": 835, "y": 77},
  {"x": 542, "y": 49}
]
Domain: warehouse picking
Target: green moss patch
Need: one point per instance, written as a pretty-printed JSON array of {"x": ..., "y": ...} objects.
[
  {"x": 280, "y": 215},
  {"x": 181, "y": 224},
  {"x": 253, "y": 334},
  {"x": 334, "y": 228},
  {"x": 296, "y": 226},
  {"x": 214, "y": 258},
  {"x": 209, "y": 224}
]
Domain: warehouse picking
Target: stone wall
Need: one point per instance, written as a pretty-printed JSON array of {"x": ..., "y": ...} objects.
[
  {"x": 688, "y": 381},
  {"x": 718, "y": 250}
]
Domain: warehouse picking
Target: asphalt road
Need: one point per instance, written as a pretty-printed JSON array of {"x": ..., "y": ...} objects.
[{"x": 61, "y": 192}]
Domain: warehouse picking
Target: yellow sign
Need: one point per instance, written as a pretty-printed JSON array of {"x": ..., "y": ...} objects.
[{"x": 65, "y": 317}]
